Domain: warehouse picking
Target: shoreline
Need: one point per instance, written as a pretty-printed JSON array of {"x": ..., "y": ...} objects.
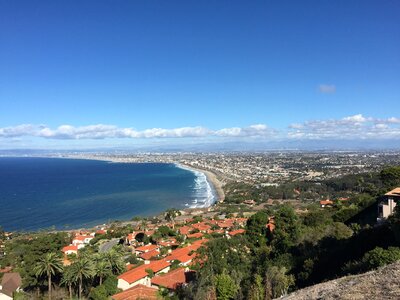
[{"x": 212, "y": 179}]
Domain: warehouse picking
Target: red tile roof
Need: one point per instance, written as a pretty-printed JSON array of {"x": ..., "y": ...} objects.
[
  {"x": 235, "y": 232},
  {"x": 183, "y": 254},
  {"x": 201, "y": 226},
  {"x": 171, "y": 280},
  {"x": 167, "y": 243},
  {"x": 137, "y": 273},
  {"x": 70, "y": 248},
  {"x": 137, "y": 292},
  {"x": 6, "y": 269},
  {"x": 147, "y": 248},
  {"x": 185, "y": 229},
  {"x": 83, "y": 237},
  {"x": 326, "y": 202},
  {"x": 148, "y": 255},
  {"x": 195, "y": 235}
]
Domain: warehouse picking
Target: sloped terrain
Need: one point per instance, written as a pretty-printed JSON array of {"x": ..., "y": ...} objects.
[{"x": 383, "y": 283}]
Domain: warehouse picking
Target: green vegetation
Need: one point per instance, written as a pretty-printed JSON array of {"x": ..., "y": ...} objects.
[
  {"x": 307, "y": 244},
  {"x": 37, "y": 258},
  {"x": 305, "y": 248}
]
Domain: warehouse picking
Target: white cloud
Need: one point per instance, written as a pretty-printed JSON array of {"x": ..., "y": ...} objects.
[
  {"x": 327, "y": 88},
  {"x": 393, "y": 120},
  {"x": 101, "y": 131},
  {"x": 257, "y": 130},
  {"x": 355, "y": 119},
  {"x": 351, "y": 127}
]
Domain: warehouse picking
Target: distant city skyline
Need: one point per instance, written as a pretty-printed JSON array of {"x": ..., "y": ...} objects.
[{"x": 102, "y": 74}]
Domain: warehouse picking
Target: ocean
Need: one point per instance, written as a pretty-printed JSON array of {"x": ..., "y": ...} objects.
[{"x": 47, "y": 193}]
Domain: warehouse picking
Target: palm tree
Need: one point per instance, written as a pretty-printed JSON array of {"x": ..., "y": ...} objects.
[
  {"x": 102, "y": 269},
  {"x": 69, "y": 279},
  {"x": 82, "y": 269},
  {"x": 171, "y": 214},
  {"x": 49, "y": 265},
  {"x": 114, "y": 259}
]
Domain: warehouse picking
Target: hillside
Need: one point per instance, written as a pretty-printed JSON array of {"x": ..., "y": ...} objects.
[{"x": 383, "y": 283}]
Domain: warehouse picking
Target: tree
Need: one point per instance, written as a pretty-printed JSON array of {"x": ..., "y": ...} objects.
[
  {"x": 83, "y": 269},
  {"x": 98, "y": 293},
  {"x": 171, "y": 214},
  {"x": 390, "y": 176},
  {"x": 225, "y": 286},
  {"x": 68, "y": 279},
  {"x": 286, "y": 230},
  {"x": 256, "y": 228},
  {"x": 257, "y": 290},
  {"x": 115, "y": 260},
  {"x": 48, "y": 265},
  {"x": 279, "y": 281},
  {"x": 379, "y": 257},
  {"x": 102, "y": 269}
]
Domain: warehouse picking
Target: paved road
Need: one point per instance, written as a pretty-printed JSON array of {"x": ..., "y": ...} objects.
[{"x": 108, "y": 245}]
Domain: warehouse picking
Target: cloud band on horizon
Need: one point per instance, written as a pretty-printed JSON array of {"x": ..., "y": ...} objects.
[{"x": 352, "y": 127}]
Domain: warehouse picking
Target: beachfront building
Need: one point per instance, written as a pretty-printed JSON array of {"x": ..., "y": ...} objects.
[{"x": 386, "y": 207}]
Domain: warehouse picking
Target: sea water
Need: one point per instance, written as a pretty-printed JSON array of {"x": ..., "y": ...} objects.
[{"x": 43, "y": 193}]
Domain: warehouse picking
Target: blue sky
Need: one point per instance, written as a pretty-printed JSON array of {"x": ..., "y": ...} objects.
[{"x": 105, "y": 72}]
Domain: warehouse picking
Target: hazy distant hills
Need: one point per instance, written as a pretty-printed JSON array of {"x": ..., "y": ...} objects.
[{"x": 288, "y": 145}]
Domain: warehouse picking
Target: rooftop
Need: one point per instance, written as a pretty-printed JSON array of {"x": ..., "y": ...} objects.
[
  {"x": 140, "y": 272},
  {"x": 173, "y": 279},
  {"x": 137, "y": 292},
  {"x": 394, "y": 192}
]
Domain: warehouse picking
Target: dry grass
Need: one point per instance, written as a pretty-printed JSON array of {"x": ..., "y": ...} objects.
[{"x": 383, "y": 284}]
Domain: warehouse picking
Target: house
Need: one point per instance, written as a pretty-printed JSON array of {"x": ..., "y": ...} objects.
[
  {"x": 202, "y": 227},
  {"x": 101, "y": 231},
  {"x": 172, "y": 280},
  {"x": 326, "y": 203},
  {"x": 168, "y": 243},
  {"x": 149, "y": 254},
  {"x": 235, "y": 232},
  {"x": 184, "y": 230},
  {"x": 82, "y": 240},
  {"x": 137, "y": 292},
  {"x": 196, "y": 235},
  {"x": 386, "y": 207},
  {"x": 187, "y": 254},
  {"x": 10, "y": 283},
  {"x": 146, "y": 248},
  {"x": 71, "y": 249},
  {"x": 250, "y": 202},
  {"x": 139, "y": 275}
]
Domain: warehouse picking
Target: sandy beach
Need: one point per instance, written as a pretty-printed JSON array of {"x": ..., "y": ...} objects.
[{"x": 212, "y": 178}]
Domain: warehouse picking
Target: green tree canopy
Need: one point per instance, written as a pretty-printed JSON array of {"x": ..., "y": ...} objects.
[
  {"x": 48, "y": 265},
  {"x": 225, "y": 286}
]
